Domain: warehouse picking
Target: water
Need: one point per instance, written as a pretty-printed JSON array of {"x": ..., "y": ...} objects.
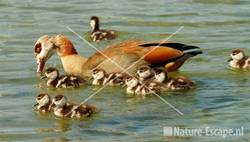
[{"x": 221, "y": 99}]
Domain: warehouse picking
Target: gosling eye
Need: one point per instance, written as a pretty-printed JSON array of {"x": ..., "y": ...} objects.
[
  {"x": 234, "y": 53},
  {"x": 95, "y": 72}
]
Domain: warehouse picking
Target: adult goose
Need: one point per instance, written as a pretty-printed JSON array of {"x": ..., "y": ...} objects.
[{"x": 155, "y": 53}]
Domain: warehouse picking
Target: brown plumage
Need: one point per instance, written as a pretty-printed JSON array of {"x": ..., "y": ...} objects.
[
  {"x": 170, "y": 55},
  {"x": 63, "y": 108}
]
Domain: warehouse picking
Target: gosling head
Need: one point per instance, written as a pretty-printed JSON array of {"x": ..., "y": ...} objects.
[
  {"x": 98, "y": 74},
  {"x": 51, "y": 73},
  {"x": 160, "y": 75},
  {"x": 144, "y": 72},
  {"x": 237, "y": 54},
  {"x": 131, "y": 81},
  {"x": 42, "y": 100},
  {"x": 94, "y": 23},
  {"x": 59, "y": 101}
]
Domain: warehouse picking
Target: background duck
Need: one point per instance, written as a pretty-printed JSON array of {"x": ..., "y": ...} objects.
[
  {"x": 64, "y": 81},
  {"x": 62, "y": 108},
  {"x": 239, "y": 59},
  {"x": 43, "y": 103},
  {"x": 125, "y": 54},
  {"x": 98, "y": 34}
]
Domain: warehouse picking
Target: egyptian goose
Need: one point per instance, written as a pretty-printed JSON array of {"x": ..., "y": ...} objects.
[
  {"x": 62, "y": 108},
  {"x": 98, "y": 34},
  {"x": 43, "y": 103},
  {"x": 125, "y": 54},
  {"x": 239, "y": 60},
  {"x": 63, "y": 81},
  {"x": 111, "y": 79}
]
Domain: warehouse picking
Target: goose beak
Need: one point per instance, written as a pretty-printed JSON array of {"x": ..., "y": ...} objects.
[
  {"x": 40, "y": 65},
  {"x": 229, "y": 60}
]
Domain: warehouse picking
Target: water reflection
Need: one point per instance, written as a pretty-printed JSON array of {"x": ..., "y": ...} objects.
[{"x": 56, "y": 140}]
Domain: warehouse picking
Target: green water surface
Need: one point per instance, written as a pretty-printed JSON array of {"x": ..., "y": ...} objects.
[{"x": 221, "y": 100}]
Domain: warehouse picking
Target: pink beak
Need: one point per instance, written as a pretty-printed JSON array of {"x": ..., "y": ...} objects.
[{"x": 40, "y": 65}]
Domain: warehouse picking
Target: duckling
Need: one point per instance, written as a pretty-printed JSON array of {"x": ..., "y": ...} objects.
[
  {"x": 176, "y": 83},
  {"x": 43, "y": 103},
  {"x": 134, "y": 87},
  {"x": 239, "y": 60},
  {"x": 180, "y": 83},
  {"x": 64, "y": 81},
  {"x": 112, "y": 79},
  {"x": 144, "y": 72},
  {"x": 62, "y": 108},
  {"x": 160, "y": 75},
  {"x": 97, "y": 34}
]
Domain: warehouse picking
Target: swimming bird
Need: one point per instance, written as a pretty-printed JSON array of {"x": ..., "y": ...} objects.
[
  {"x": 98, "y": 34},
  {"x": 172, "y": 83},
  {"x": 160, "y": 75},
  {"x": 43, "y": 103},
  {"x": 239, "y": 60},
  {"x": 63, "y": 81},
  {"x": 180, "y": 83},
  {"x": 144, "y": 72},
  {"x": 136, "y": 88},
  {"x": 127, "y": 53},
  {"x": 101, "y": 78},
  {"x": 62, "y": 108}
]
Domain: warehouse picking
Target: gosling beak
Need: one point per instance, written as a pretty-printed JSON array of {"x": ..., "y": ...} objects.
[
  {"x": 229, "y": 60},
  {"x": 124, "y": 84},
  {"x": 35, "y": 105},
  {"x": 43, "y": 77},
  {"x": 52, "y": 105}
]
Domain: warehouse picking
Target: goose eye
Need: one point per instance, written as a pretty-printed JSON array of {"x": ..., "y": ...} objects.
[{"x": 38, "y": 48}]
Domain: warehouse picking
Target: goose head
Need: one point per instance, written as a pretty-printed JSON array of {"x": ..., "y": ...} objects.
[
  {"x": 46, "y": 46},
  {"x": 94, "y": 23},
  {"x": 43, "y": 51}
]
